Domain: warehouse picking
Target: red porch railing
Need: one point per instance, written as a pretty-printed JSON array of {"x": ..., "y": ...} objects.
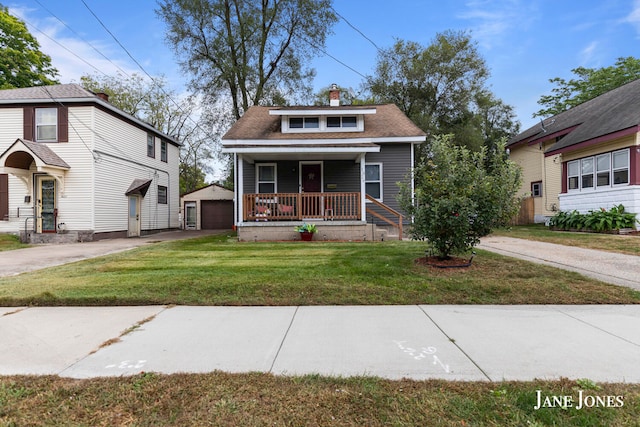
[{"x": 301, "y": 206}]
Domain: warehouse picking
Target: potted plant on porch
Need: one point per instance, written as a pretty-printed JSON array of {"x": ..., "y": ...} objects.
[{"x": 306, "y": 231}]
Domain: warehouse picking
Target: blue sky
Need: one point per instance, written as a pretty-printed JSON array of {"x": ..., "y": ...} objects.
[{"x": 525, "y": 43}]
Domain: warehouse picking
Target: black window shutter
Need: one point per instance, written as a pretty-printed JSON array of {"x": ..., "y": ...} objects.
[
  {"x": 63, "y": 124},
  {"x": 4, "y": 197}
]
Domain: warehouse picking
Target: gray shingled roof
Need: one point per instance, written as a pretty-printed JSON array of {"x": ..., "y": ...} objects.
[
  {"x": 71, "y": 90},
  {"x": 614, "y": 111},
  {"x": 258, "y": 124}
]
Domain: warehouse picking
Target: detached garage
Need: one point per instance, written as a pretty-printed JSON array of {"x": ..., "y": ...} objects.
[{"x": 208, "y": 208}]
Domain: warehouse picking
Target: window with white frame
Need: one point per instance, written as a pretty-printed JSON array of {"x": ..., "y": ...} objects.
[
  {"x": 151, "y": 145},
  {"x": 601, "y": 171},
  {"x": 342, "y": 122},
  {"x": 304, "y": 122},
  {"x": 621, "y": 167},
  {"x": 536, "y": 189},
  {"x": 163, "y": 151},
  {"x": 46, "y": 124},
  {"x": 373, "y": 180},
  {"x": 266, "y": 178}
]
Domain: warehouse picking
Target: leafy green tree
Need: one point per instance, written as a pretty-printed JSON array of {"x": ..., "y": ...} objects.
[
  {"x": 22, "y": 64},
  {"x": 441, "y": 87},
  {"x": 254, "y": 50},
  {"x": 460, "y": 195},
  {"x": 589, "y": 83}
]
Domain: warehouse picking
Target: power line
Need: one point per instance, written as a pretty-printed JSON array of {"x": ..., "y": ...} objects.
[{"x": 355, "y": 28}]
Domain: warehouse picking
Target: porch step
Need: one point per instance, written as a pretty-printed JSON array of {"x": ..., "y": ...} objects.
[{"x": 56, "y": 238}]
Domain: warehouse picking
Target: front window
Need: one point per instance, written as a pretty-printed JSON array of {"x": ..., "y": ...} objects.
[
  {"x": 621, "y": 167},
  {"x": 601, "y": 171},
  {"x": 46, "y": 124},
  {"x": 151, "y": 146},
  {"x": 162, "y": 195},
  {"x": 266, "y": 178},
  {"x": 373, "y": 180},
  {"x": 342, "y": 122}
]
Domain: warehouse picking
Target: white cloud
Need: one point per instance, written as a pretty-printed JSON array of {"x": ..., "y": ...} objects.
[
  {"x": 492, "y": 20},
  {"x": 588, "y": 53},
  {"x": 634, "y": 17},
  {"x": 70, "y": 55}
]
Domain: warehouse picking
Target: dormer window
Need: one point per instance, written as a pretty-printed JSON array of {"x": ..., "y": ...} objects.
[
  {"x": 304, "y": 123},
  {"x": 342, "y": 122}
]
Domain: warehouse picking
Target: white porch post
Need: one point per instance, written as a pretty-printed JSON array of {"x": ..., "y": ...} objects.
[
  {"x": 240, "y": 187},
  {"x": 363, "y": 188}
]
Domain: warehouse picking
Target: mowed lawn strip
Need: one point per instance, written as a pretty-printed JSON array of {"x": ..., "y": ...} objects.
[
  {"x": 9, "y": 242},
  {"x": 257, "y": 399},
  {"x": 217, "y": 270},
  {"x": 624, "y": 244}
]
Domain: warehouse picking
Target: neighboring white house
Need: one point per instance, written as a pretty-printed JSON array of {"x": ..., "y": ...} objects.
[
  {"x": 208, "y": 208},
  {"x": 73, "y": 167}
]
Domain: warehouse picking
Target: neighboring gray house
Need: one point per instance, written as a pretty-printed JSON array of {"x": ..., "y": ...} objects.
[{"x": 337, "y": 166}]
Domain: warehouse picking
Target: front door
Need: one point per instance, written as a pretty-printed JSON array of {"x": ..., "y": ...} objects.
[
  {"x": 46, "y": 205},
  {"x": 311, "y": 182},
  {"x": 134, "y": 216},
  {"x": 191, "y": 216}
]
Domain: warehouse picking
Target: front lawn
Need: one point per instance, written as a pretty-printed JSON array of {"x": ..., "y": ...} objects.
[
  {"x": 10, "y": 242},
  {"x": 217, "y": 270},
  {"x": 256, "y": 399},
  {"x": 624, "y": 244}
]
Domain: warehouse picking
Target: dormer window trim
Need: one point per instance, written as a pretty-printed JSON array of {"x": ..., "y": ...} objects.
[{"x": 323, "y": 123}]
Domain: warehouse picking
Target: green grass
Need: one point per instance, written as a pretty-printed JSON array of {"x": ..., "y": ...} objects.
[
  {"x": 10, "y": 242},
  {"x": 257, "y": 399},
  {"x": 217, "y": 270},
  {"x": 625, "y": 244}
]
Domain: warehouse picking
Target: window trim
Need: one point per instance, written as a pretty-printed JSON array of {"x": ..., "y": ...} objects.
[
  {"x": 595, "y": 171},
  {"x": 380, "y": 179},
  {"x": 536, "y": 184},
  {"x": 37, "y": 126},
  {"x": 275, "y": 177},
  {"x": 163, "y": 199},
  {"x": 151, "y": 145}
]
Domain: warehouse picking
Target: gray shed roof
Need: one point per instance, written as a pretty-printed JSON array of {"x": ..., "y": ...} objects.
[{"x": 607, "y": 114}]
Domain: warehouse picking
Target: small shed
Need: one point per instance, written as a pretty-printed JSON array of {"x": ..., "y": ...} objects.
[{"x": 208, "y": 208}]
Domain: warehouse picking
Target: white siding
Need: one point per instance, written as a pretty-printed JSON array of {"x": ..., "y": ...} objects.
[
  {"x": 584, "y": 201},
  {"x": 122, "y": 152}
]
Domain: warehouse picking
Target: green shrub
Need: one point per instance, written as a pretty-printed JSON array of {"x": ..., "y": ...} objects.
[{"x": 595, "y": 220}]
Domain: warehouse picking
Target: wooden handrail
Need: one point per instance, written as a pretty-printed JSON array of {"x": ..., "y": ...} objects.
[{"x": 383, "y": 218}]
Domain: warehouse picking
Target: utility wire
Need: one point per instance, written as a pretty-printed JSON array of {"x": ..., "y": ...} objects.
[{"x": 356, "y": 29}]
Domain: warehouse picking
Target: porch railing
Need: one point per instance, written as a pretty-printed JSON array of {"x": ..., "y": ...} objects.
[
  {"x": 394, "y": 213},
  {"x": 301, "y": 206}
]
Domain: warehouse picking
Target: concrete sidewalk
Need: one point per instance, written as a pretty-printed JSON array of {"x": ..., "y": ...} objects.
[
  {"x": 609, "y": 267},
  {"x": 484, "y": 343}
]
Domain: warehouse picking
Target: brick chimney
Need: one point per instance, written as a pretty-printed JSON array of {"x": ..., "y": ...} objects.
[
  {"x": 103, "y": 95},
  {"x": 334, "y": 96}
]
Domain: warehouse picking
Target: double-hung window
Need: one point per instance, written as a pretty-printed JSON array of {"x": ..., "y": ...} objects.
[
  {"x": 621, "y": 167},
  {"x": 46, "y": 124},
  {"x": 151, "y": 146},
  {"x": 266, "y": 178},
  {"x": 163, "y": 151},
  {"x": 162, "y": 195},
  {"x": 373, "y": 180},
  {"x": 341, "y": 122},
  {"x": 603, "y": 170}
]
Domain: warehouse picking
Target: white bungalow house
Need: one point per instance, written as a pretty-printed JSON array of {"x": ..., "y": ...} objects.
[
  {"x": 75, "y": 168},
  {"x": 336, "y": 166},
  {"x": 585, "y": 158}
]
